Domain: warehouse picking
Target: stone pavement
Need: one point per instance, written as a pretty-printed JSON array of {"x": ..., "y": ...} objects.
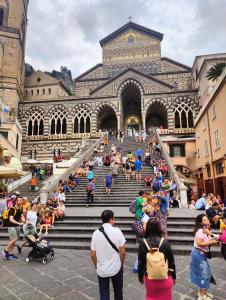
[{"x": 71, "y": 276}]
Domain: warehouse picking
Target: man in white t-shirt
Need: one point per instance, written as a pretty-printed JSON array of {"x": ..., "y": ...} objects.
[{"x": 108, "y": 255}]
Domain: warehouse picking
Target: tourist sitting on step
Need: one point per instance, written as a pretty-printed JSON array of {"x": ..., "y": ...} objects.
[
  {"x": 105, "y": 141},
  {"x": 48, "y": 221},
  {"x": 214, "y": 214},
  {"x": 79, "y": 171},
  {"x": 91, "y": 164},
  {"x": 174, "y": 201},
  {"x": 59, "y": 211},
  {"x": 107, "y": 160}
]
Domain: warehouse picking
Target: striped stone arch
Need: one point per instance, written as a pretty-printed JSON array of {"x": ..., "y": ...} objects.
[
  {"x": 130, "y": 81},
  {"x": 158, "y": 115},
  {"x": 82, "y": 106},
  {"x": 106, "y": 104},
  {"x": 162, "y": 101}
]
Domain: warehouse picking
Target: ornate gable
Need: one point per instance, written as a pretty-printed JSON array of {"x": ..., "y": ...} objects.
[{"x": 147, "y": 84}]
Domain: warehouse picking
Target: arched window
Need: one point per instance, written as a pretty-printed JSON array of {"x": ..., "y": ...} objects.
[
  {"x": 88, "y": 124},
  {"x": 82, "y": 120},
  {"x": 58, "y": 122},
  {"x": 76, "y": 125},
  {"x": 35, "y": 124},
  {"x": 2, "y": 12},
  {"x": 183, "y": 115}
]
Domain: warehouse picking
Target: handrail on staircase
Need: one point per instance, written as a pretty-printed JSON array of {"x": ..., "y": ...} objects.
[
  {"x": 15, "y": 184},
  {"x": 52, "y": 183},
  {"x": 182, "y": 189}
]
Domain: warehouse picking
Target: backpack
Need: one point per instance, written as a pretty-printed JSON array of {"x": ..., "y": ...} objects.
[
  {"x": 157, "y": 267},
  {"x": 89, "y": 187},
  {"x": 127, "y": 166},
  {"x": 156, "y": 185},
  {"x": 5, "y": 217},
  {"x": 132, "y": 207}
]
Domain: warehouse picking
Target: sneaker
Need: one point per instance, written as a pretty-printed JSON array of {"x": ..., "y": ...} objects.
[
  {"x": 19, "y": 249},
  {"x": 135, "y": 270}
]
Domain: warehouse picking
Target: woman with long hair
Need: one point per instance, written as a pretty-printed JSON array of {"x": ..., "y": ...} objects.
[
  {"x": 156, "y": 289},
  {"x": 200, "y": 271}
]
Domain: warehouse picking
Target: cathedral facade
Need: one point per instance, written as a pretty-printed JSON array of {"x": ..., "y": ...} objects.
[{"x": 134, "y": 88}]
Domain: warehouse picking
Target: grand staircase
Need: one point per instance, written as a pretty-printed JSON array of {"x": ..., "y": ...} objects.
[{"x": 76, "y": 230}]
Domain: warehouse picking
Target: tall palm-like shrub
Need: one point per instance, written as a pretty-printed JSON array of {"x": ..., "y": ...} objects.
[{"x": 215, "y": 71}]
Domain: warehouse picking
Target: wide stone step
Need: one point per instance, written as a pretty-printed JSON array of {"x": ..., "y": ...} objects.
[{"x": 130, "y": 247}]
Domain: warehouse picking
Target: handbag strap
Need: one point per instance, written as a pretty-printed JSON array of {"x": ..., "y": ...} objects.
[{"x": 101, "y": 229}]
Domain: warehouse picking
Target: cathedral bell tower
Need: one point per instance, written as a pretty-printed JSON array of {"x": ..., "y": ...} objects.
[{"x": 13, "y": 25}]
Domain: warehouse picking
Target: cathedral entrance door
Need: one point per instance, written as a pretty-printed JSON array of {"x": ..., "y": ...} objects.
[
  {"x": 131, "y": 108},
  {"x": 132, "y": 124}
]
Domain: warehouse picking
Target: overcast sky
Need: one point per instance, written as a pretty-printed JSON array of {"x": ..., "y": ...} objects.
[{"x": 67, "y": 32}]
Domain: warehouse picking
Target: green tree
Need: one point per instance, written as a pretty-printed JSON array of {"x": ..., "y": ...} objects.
[{"x": 215, "y": 71}]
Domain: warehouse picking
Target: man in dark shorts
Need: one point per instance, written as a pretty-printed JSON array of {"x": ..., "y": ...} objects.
[{"x": 15, "y": 220}]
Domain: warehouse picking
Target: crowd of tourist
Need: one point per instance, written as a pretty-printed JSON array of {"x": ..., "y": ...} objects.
[{"x": 150, "y": 209}]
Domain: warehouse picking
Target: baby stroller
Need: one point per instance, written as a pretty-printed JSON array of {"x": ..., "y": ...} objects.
[{"x": 40, "y": 248}]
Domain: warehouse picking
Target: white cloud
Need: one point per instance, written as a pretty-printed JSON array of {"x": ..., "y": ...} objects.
[{"x": 68, "y": 34}]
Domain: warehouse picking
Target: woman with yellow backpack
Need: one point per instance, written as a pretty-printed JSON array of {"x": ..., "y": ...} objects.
[{"x": 156, "y": 266}]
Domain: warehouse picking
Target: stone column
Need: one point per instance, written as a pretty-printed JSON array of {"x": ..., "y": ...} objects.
[
  {"x": 118, "y": 115},
  {"x": 46, "y": 129},
  {"x": 93, "y": 125},
  {"x": 69, "y": 125},
  {"x": 144, "y": 120},
  {"x": 170, "y": 119}
]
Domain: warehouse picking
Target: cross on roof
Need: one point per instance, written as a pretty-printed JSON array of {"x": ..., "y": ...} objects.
[{"x": 130, "y": 18}]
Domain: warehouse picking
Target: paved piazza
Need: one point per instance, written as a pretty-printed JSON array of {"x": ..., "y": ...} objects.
[{"x": 71, "y": 276}]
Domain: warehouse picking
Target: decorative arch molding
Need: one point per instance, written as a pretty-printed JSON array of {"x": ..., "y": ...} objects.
[
  {"x": 82, "y": 106},
  {"x": 59, "y": 107},
  {"x": 161, "y": 101},
  {"x": 35, "y": 109},
  {"x": 128, "y": 82},
  {"x": 100, "y": 106}
]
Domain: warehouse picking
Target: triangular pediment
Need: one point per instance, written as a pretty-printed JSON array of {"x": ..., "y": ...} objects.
[
  {"x": 40, "y": 78},
  {"x": 148, "y": 84},
  {"x": 131, "y": 26}
]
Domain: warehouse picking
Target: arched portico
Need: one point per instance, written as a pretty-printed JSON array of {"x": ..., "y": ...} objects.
[
  {"x": 106, "y": 118},
  {"x": 131, "y": 116},
  {"x": 156, "y": 116}
]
